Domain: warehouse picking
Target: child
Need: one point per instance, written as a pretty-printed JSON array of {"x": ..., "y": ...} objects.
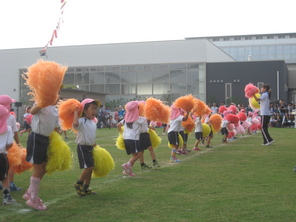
[
  {"x": 44, "y": 122},
  {"x": 132, "y": 123},
  {"x": 174, "y": 129},
  {"x": 6, "y": 101},
  {"x": 6, "y": 140},
  {"x": 26, "y": 124},
  {"x": 86, "y": 141},
  {"x": 224, "y": 130},
  {"x": 198, "y": 133},
  {"x": 210, "y": 136}
]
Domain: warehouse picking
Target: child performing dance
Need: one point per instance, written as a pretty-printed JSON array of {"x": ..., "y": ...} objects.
[
  {"x": 173, "y": 131},
  {"x": 132, "y": 123},
  {"x": 86, "y": 141},
  {"x": 6, "y": 140},
  {"x": 45, "y": 80}
]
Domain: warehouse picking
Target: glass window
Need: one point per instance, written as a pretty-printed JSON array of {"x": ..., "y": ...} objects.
[
  {"x": 193, "y": 66},
  {"x": 161, "y": 76},
  {"x": 192, "y": 75},
  {"x": 68, "y": 79},
  {"x": 112, "y": 89},
  {"x": 81, "y": 78},
  {"x": 96, "y": 77},
  {"x": 144, "y": 76},
  {"x": 178, "y": 75},
  {"x": 99, "y": 88},
  {"x": 179, "y": 88},
  {"x": 160, "y": 88},
  {"x": 178, "y": 66},
  {"x": 193, "y": 88},
  {"x": 144, "y": 89},
  {"x": 84, "y": 87},
  {"x": 112, "y": 77},
  {"x": 263, "y": 49},
  {"x": 128, "y": 89},
  {"x": 128, "y": 77}
]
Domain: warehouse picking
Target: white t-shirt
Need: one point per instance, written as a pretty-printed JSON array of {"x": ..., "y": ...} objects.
[
  {"x": 86, "y": 132},
  {"x": 264, "y": 104},
  {"x": 175, "y": 124},
  {"x": 144, "y": 127},
  {"x": 198, "y": 124},
  {"x": 5, "y": 139},
  {"x": 224, "y": 123},
  {"x": 134, "y": 133},
  {"x": 45, "y": 121},
  {"x": 11, "y": 122}
]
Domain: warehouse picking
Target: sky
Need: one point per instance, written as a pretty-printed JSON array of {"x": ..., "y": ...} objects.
[{"x": 31, "y": 23}]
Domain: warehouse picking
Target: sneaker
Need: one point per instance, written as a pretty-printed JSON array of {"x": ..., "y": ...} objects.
[
  {"x": 188, "y": 151},
  {"x": 126, "y": 167},
  {"x": 267, "y": 144},
  {"x": 66, "y": 138},
  {"x": 79, "y": 189},
  {"x": 179, "y": 152},
  {"x": 37, "y": 204},
  {"x": 27, "y": 195},
  {"x": 196, "y": 149},
  {"x": 155, "y": 164},
  {"x": 13, "y": 187},
  {"x": 184, "y": 152},
  {"x": 145, "y": 167},
  {"x": 7, "y": 199},
  {"x": 209, "y": 146},
  {"x": 163, "y": 133},
  {"x": 174, "y": 160},
  {"x": 129, "y": 174},
  {"x": 89, "y": 192},
  {"x": 263, "y": 144}
]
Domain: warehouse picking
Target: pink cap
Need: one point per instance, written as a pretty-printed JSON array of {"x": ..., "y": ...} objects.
[
  {"x": 88, "y": 100},
  {"x": 5, "y": 101},
  {"x": 132, "y": 111},
  {"x": 175, "y": 112},
  {"x": 3, "y": 119}
]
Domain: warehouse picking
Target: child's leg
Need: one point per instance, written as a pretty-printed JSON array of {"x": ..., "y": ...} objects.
[
  {"x": 152, "y": 153},
  {"x": 142, "y": 158},
  {"x": 7, "y": 199},
  {"x": 196, "y": 143}
]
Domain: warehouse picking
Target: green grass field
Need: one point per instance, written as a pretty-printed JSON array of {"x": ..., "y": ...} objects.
[{"x": 238, "y": 181}]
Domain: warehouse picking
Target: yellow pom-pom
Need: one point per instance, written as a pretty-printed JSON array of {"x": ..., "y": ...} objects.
[
  {"x": 205, "y": 130},
  {"x": 254, "y": 104},
  {"x": 120, "y": 141},
  {"x": 59, "y": 154},
  {"x": 180, "y": 142},
  {"x": 103, "y": 162},
  {"x": 154, "y": 138}
]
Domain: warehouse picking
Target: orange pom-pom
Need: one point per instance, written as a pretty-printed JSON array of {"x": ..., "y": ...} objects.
[
  {"x": 155, "y": 110},
  {"x": 141, "y": 108},
  {"x": 189, "y": 124},
  {"x": 24, "y": 164},
  {"x": 66, "y": 110},
  {"x": 216, "y": 121},
  {"x": 14, "y": 155},
  {"x": 251, "y": 90},
  {"x": 45, "y": 80},
  {"x": 185, "y": 102},
  {"x": 201, "y": 108}
]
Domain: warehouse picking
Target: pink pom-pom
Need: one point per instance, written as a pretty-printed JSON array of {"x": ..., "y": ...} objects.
[
  {"x": 240, "y": 129},
  {"x": 246, "y": 124},
  {"x": 232, "y": 118},
  {"x": 29, "y": 119},
  {"x": 222, "y": 109},
  {"x": 255, "y": 121},
  {"x": 242, "y": 116},
  {"x": 251, "y": 90},
  {"x": 230, "y": 127},
  {"x": 233, "y": 109},
  {"x": 230, "y": 134}
]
